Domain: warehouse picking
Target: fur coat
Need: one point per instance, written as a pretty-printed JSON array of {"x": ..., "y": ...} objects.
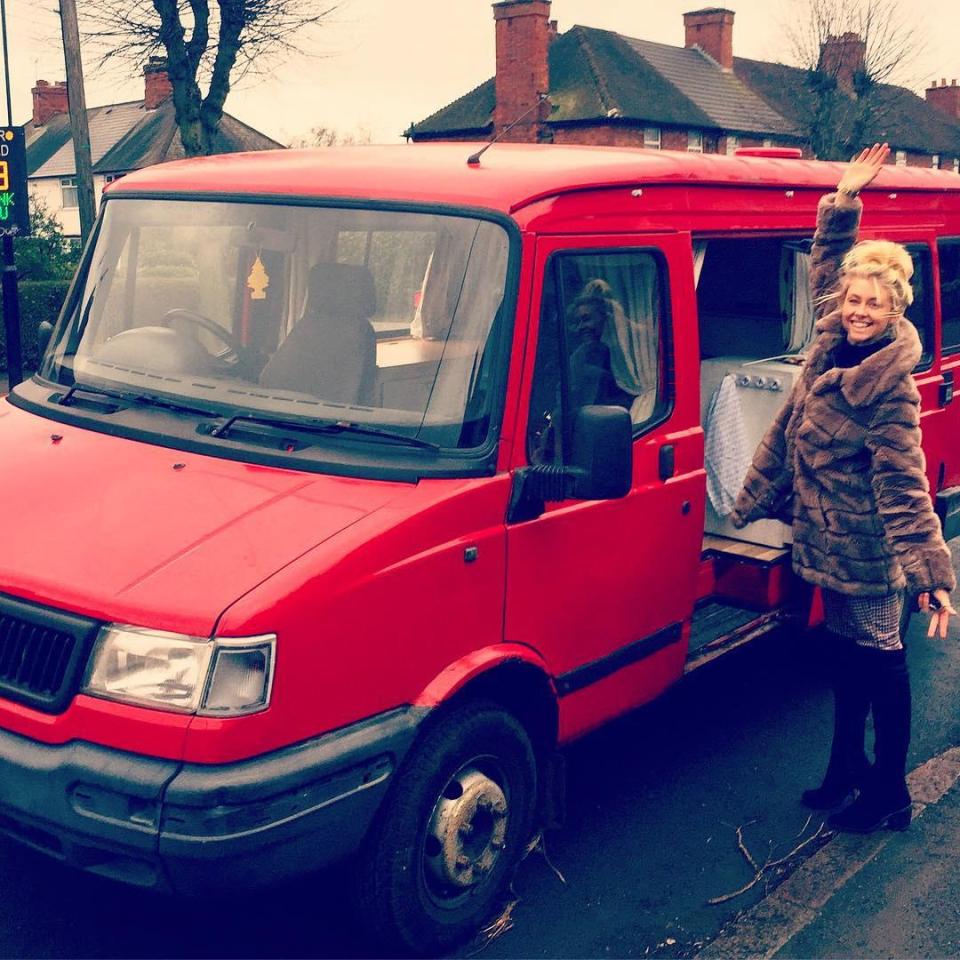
[{"x": 842, "y": 461}]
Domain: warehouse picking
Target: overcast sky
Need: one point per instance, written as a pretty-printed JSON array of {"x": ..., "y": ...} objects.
[{"x": 386, "y": 63}]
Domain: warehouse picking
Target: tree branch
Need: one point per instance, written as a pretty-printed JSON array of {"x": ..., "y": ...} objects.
[{"x": 206, "y": 45}]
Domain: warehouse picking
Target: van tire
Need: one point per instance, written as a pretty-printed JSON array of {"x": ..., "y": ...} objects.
[{"x": 422, "y": 882}]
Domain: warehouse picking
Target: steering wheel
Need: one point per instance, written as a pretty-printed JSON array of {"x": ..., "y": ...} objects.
[{"x": 235, "y": 354}]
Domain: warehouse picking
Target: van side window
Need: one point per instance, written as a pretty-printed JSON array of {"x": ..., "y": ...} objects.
[
  {"x": 949, "y": 251},
  {"x": 600, "y": 342},
  {"x": 920, "y": 312}
]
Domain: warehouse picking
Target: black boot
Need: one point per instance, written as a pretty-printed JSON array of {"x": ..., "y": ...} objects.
[
  {"x": 848, "y": 765},
  {"x": 885, "y": 799}
]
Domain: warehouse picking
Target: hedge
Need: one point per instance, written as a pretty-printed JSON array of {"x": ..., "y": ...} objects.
[{"x": 39, "y": 300}]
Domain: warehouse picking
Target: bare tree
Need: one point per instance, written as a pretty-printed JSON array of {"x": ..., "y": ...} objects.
[
  {"x": 323, "y": 136},
  {"x": 853, "y": 52},
  {"x": 207, "y": 44}
]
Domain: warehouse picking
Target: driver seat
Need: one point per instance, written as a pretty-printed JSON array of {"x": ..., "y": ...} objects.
[{"x": 331, "y": 352}]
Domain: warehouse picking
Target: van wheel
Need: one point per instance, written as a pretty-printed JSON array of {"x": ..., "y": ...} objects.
[{"x": 453, "y": 827}]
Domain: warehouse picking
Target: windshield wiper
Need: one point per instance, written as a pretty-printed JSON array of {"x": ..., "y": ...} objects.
[
  {"x": 134, "y": 398},
  {"x": 324, "y": 426}
]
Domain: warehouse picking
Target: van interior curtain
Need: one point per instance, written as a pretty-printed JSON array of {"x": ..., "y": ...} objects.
[
  {"x": 799, "y": 301},
  {"x": 633, "y": 336}
]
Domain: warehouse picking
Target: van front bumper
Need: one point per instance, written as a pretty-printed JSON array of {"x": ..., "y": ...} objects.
[{"x": 194, "y": 829}]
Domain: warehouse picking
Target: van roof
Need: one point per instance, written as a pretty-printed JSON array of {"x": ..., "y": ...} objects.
[{"x": 508, "y": 177}]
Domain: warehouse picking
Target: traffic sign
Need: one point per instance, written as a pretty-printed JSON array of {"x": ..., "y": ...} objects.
[{"x": 14, "y": 202}]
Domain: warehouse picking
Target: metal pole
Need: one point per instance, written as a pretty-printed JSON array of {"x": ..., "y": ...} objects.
[
  {"x": 6, "y": 60},
  {"x": 11, "y": 299}
]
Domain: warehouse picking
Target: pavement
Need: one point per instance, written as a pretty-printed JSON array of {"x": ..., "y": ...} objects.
[{"x": 886, "y": 894}]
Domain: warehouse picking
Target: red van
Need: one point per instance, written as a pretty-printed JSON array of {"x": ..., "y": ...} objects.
[{"x": 355, "y": 482}]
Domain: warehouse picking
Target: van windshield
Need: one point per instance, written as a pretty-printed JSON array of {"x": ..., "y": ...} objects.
[{"x": 380, "y": 317}]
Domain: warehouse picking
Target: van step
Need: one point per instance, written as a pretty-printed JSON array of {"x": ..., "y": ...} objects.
[
  {"x": 718, "y": 628},
  {"x": 714, "y": 620},
  {"x": 740, "y": 548}
]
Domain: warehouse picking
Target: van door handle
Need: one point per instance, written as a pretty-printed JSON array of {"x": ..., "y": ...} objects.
[
  {"x": 667, "y": 461},
  {"x": 946, "y": 389}
]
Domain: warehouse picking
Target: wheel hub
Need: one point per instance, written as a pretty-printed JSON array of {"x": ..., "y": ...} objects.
[{"x": 467, "y": 830}]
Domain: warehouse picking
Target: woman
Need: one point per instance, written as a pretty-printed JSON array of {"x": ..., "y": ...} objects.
[
  {"x": 843, "y": 464},
  {"x": 612, "y": 365}
]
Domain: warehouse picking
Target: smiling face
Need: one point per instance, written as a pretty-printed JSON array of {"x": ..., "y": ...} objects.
[
  {"x": 867, "y": 310},
  {"x": 588, "y": 319}
]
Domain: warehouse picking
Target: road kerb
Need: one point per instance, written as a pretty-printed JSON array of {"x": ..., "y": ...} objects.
[{"x": 765, "y": 928}]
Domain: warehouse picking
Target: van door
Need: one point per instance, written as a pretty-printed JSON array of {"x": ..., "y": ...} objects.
[
  {"x": 948, "y": 255},
  {"x": 602, "y": 588}
]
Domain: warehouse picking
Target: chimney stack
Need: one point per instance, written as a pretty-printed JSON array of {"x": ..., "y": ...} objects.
[
  {"x": 49, "y": 100},
  {"x": 711, "y": 29},
  {"x": 523, "y": 34},
  {"x": 945, "y": 99},
  {"x": 156, "y": 83},
  {"x": 843, "y": 57}
]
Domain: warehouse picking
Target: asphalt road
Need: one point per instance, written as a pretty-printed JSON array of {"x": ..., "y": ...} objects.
[{"x": 654, "y": 801}]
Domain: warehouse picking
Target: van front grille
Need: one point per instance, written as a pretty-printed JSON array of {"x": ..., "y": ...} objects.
[
  {"x": 32, "y": 658},
  {"x": 42, "y": 653}
]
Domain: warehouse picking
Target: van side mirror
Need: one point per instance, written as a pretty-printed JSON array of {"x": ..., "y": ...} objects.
[
  {"x": 600, "y": 468},
  {"x": 44, "y": 330},
  {"x": 602, "y": 460}
]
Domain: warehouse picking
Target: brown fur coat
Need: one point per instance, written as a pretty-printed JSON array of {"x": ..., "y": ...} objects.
[{"x": 842, "y": 461}]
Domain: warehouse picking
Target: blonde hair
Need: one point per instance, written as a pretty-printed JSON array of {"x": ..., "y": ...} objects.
[{"x": 887, "y": 264}]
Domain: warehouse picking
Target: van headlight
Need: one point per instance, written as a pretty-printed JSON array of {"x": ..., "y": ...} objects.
[{"x": 171, "y": 671}]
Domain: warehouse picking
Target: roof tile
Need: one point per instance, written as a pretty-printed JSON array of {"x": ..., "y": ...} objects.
[
  {"x": 901, "y": 117},
  {"x": 599, "y": 76},
  {"x": 727, "y": 101},
  {"x": 126, "y": 136}
]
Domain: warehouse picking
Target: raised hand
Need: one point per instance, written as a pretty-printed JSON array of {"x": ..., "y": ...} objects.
[{"x": 862, "y": 168}]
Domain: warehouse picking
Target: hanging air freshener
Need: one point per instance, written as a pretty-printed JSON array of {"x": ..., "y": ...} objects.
[{"x": 258, "y": 281}]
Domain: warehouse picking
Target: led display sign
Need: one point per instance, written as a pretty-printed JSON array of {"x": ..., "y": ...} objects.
[{"x": 14, "y": 205}]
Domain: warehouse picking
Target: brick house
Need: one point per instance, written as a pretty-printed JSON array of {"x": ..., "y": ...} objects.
[
  {"x": 604, "y": 88},
  {"x": 123, "y": 137}
]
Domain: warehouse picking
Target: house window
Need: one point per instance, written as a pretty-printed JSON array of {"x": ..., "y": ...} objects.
[
  {"x": 733, "y": 144},
  {"x": 695, "y": 141},
  {"x": 901, "y": 156},
  {"x": 935, "y": 163},
  {"x": 109, "y": 178},
  {"x": 68, "y": 190},
  {"x": 651, "y": 137}
]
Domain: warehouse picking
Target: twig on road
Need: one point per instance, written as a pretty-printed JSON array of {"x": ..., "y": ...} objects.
[
  {"x": 539, "y": 845},
  {"x": 760, "y": 873},
  {"x": 504, "y": 921}
]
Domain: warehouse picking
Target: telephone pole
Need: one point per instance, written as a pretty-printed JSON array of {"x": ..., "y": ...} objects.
[
  {"x": 78, "y": 115},
  {"x": 11, "y": 297}
]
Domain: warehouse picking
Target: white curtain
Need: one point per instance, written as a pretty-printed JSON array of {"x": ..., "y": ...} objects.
[
  {"x": 633, "y": 334},
  {"x": 801, "y": 333},
  {"x": 699, "y": 255}
]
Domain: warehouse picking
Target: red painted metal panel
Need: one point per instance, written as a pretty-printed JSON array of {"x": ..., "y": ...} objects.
[
  {"x": 588, "y": 578},
  {"x": 509, "y": 176},
  {"x": 116, "y": 533},
  {"x": 622, "y": 691},
  {"x": 369, "y": 622},
  {"x": 156, "y": 733}
]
